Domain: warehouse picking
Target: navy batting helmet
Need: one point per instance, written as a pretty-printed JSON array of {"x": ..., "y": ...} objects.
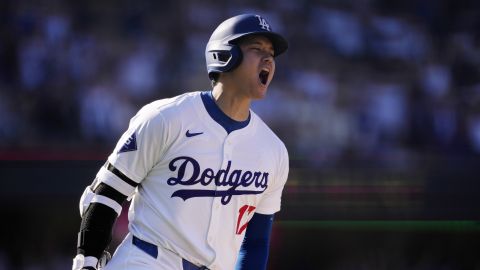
[{"x": 222, "y": 52}]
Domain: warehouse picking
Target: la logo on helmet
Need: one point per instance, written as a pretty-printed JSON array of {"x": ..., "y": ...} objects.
[{"x": 263, "y": 23}]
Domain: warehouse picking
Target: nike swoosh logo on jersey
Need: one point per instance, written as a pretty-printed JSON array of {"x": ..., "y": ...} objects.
[{"x": 188, "y": 134}]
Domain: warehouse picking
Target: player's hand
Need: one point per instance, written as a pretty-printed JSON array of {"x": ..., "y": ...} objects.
[
  {"x": 104, "y": 259},
  {"x": 82, "y": 263},
  {"x": 91, "y": 263}
]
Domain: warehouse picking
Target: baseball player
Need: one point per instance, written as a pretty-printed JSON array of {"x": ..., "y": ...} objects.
[{"x": 204, "y": 172}]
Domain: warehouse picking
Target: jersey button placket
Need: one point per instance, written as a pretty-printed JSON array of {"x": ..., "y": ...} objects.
[
  {"x": 227, "y": 152},
  {"x": 216, "y": 204},
  {"x": 217, "y": 200}
]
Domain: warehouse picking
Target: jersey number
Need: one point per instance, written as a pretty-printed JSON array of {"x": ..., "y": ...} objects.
[{"x": 244, "y": 214}]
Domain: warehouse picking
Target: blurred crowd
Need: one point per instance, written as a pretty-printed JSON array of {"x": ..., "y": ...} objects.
[
  {"x": 362, "y": 79},
  {"x": 370, "y": 80}
]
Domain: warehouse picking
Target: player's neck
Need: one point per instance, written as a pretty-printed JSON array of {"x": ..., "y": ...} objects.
[{"x": 231, "y": 103}]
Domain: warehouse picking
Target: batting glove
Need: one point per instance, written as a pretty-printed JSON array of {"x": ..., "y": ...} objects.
[{"x": 81, "y": 262}]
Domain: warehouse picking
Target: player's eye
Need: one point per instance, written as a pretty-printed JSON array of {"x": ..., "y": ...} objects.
[{"x": 258, "y": 49}]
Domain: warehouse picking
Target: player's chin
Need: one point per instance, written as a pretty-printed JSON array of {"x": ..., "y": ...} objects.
[
  {"x": 260, "y": 92},
  {"x": 258, "y": 89}
]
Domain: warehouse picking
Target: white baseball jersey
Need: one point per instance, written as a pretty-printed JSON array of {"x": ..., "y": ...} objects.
[{"x": 199, "y": 185}]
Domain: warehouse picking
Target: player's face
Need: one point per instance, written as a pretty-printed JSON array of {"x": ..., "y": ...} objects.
[{"x": 256, "y": 70}]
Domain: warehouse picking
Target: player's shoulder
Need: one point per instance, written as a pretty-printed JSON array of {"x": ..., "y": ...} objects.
[
  {"x": 175, "y": 102},
  {"x": 162, "y": 108}
]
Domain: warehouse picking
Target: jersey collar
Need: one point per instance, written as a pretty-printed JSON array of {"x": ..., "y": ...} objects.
[{"x": 219, "y": 116}]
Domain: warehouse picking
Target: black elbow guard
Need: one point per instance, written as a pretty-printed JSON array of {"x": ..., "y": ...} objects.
[{"x": 96, "y": 230}]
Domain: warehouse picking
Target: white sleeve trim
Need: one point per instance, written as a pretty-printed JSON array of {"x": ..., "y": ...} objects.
[
  {"x": 108, "y": 202},
  {"x": 109, "y": 178}
]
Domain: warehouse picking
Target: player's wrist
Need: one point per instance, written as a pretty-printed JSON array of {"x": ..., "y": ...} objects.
[{"x": 81, "y": 262}]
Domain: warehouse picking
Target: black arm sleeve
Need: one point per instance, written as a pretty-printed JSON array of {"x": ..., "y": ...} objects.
[{"x": 97, "y": 223}]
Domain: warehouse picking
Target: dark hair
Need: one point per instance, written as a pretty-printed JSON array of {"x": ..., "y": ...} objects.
[{"x": 214, "y": 79}]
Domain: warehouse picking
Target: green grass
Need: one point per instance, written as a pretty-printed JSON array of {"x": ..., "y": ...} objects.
[{"x": 382, "y": 225}]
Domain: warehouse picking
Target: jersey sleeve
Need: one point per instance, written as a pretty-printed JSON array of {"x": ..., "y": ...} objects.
[
  {"x": 136, "y": 153},
  {"x": 271, "y": 200}
]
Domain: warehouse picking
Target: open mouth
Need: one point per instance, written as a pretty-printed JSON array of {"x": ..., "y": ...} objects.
[{"x": 264, "y": 76}]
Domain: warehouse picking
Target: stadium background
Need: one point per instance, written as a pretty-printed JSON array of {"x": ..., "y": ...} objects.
[{"x": 378, "y": 103}]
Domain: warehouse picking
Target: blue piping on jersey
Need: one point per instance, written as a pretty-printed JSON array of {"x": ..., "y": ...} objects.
[{"x": 220, "y": 117}]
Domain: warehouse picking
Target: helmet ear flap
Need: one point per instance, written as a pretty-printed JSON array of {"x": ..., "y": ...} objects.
[
  {"x": 235, "y": 57},
  {"x": 225, "y": 59}
]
